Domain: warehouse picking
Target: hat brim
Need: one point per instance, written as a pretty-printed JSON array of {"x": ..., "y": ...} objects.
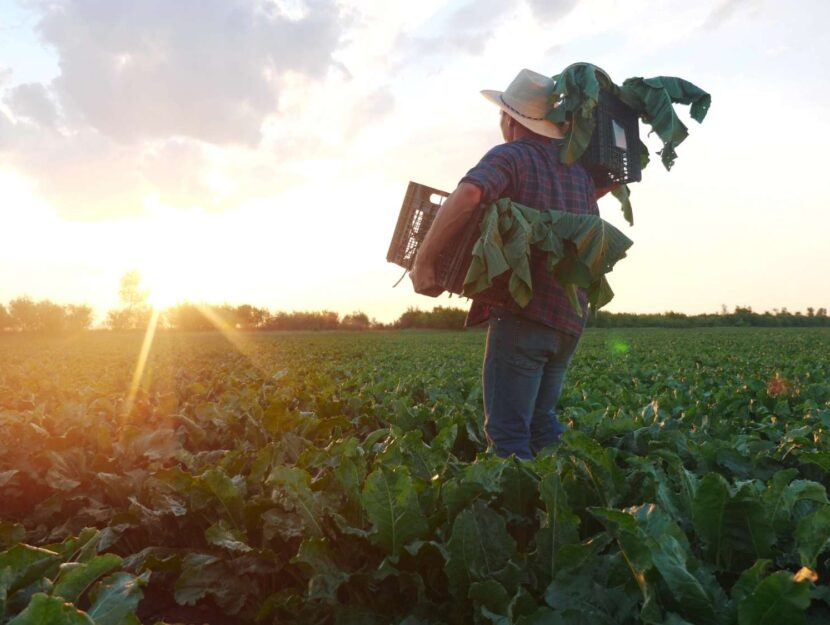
[{"x": 539, "y": 126}]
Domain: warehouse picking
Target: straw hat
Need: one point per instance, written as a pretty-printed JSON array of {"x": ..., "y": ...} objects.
[{"x": 527, "y": 100}]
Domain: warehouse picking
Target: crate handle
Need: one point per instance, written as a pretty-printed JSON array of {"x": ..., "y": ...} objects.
[{"x": 405, "y": 271}]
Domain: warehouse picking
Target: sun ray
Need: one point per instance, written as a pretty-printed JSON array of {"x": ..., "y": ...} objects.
[
  {"x": 142, "y": 362},
  {"x": 234, "y": 336}
]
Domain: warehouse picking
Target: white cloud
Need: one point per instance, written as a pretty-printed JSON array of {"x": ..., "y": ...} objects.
[
  {"x": 206, "y": 69},
  {"x": 33, "y": 102},
  {"x": 151, "y": 93},
  {"x": 469, "y": 28},
  {"x": 726, "y": 10}
]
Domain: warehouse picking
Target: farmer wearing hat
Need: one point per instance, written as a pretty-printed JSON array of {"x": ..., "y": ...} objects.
[{"x": 528, "y": 349}]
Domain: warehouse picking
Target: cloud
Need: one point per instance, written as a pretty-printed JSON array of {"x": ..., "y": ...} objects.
[
  {"x": 33, "y": 102},
  {"x": 151, "y": 94},
  {"x": 374, "y": 107},
  {"x": 469, "y": 28},
  {"x": 725, "y": 10},
  {"x": 551, "y": 10},
  {"x": 206, "y": 69}
]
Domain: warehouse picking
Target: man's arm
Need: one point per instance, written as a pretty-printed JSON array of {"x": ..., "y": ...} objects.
[{"x": 453, "y": 215}]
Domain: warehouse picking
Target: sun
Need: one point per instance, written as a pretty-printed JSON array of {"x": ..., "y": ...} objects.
[{"x": 163, "y": 286}]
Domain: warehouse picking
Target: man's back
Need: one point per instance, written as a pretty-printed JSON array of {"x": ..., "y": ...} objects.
[{"x": 529, "y": 171}]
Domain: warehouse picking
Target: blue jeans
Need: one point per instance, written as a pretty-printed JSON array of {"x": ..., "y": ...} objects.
[{"x": 522, "y": 377}]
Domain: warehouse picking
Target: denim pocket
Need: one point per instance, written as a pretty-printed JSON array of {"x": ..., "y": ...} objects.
[{"x": 517, "y": 342}]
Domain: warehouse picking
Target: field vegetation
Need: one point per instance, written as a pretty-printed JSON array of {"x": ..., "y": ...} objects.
[{"x": 343, "y": 478}]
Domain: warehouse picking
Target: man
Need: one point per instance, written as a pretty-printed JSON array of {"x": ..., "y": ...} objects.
[{"x": 528, "y": 349}]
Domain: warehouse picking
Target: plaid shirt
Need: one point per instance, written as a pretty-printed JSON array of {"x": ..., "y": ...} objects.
[{"x": 529, "y": 171}]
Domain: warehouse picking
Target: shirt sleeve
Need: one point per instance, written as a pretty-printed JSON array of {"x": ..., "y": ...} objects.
[{"x": 495, "y": 173}]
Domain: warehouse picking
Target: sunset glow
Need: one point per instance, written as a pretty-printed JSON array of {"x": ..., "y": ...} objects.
[{"x": 282, "y": 187}]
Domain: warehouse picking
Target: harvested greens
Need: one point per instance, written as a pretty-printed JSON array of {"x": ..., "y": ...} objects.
[
  {"x": 578, "y": 249},
  {"x": 575, "y": 98}
]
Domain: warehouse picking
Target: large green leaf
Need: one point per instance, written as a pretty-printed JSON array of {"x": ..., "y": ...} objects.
[
  {"x": 206, "y": 575},
  {"x": 10, "y": 533},
  {"x": 750, "y": 526},
  {"x": 520, "y": 491},
  {"x": 650, "y": 539},
  {"x": 653, "y": 99},
  {"x": 115, "y": 599},
  {"x": 46, "y": 610},
  {"x": 561, "y": 525},
  {"x": 227, "y": 492},
  {"x": 27, "y": 564},
  {"x": 75, "y": 577},
  {"x": 577, "y": 92},
  {"x": 578, "y": 137},
  {"x": 749, "y": 580},
  {"x": 223, "y": 535},
  {"x": 598, "y": 466},
  {"x": 293, "y": 490},
  {"x": 669, "y": 559},
  {"x": 599, "y": 245},
  {"x": 709, "y": 515},
  {"x": 778, "y": 499},
  {"x": 777, "y": 600},
  {"x": 479, "y": 548},
  {"x": 623, "y": 194},
  {"x": 391, "y": 503},
  {"x": 812, "y": 536},
  {"x": 491, "y": 594},
  {"x": 325, "y": 576}
]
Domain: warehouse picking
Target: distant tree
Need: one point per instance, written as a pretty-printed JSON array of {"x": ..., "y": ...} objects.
[
  {"x": 119, "y": 319},
  {"x": 356, "y": 321},
  {"x": 44, "y": 317},
  {"x": 50, "y": 317},
  {"x": 303, "y": 320},
  {"x": 77, "y": 318},
  {"x": 249, "y": 317},
  {"x": 742, "y": 316},
  {"x": 439, "y": 318},
  {"x": 130, "y": 290},
  {"x": 374, "y": 324},
  {"x": 5, "y": 319},
  {"x": 135, "y": 312},
  {"x": 187, "y": 317},
  {"x": 23, "y": 312}
]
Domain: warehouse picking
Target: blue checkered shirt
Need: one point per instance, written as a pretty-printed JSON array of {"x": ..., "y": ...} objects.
[{"x": 529, "y": 171}]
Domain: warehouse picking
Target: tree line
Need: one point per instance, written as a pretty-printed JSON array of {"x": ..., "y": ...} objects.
[
  {"x": 739, "y": 317},
  {"x": 45, "y": 317},
  {"x": 134, "y": 314}
]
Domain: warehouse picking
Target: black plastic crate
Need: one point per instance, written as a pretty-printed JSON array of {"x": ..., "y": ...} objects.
[
  {"x": 613, "y": 155},
  {"x": 420, "y": 205}
]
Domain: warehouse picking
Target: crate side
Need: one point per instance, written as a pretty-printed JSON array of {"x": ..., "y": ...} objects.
[{"x": 414, "y": 220}]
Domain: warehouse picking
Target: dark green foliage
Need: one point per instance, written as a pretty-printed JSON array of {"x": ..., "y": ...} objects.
[
  {"x": 575, "y": 99},
  {"x": 579, "y": 249}
]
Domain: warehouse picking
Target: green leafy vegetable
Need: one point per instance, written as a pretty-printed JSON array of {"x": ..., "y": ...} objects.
[
  {"x": 392, "y": 505},
  {"x": 575, "y": 98},
  {"x": 580, "y": 249}
]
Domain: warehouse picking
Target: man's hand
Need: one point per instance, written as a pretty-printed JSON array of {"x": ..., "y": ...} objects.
[{"x": 423, "y": 279}]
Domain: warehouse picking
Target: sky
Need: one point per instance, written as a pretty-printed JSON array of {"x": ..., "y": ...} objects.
[{"x": 257, "y": 151}]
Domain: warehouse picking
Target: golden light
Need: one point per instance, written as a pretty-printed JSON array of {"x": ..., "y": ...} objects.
[{"x": 146, "y": 345}]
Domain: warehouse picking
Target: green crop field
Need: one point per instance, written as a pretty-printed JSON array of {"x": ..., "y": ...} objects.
[{"x": 342, "y": 479}]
